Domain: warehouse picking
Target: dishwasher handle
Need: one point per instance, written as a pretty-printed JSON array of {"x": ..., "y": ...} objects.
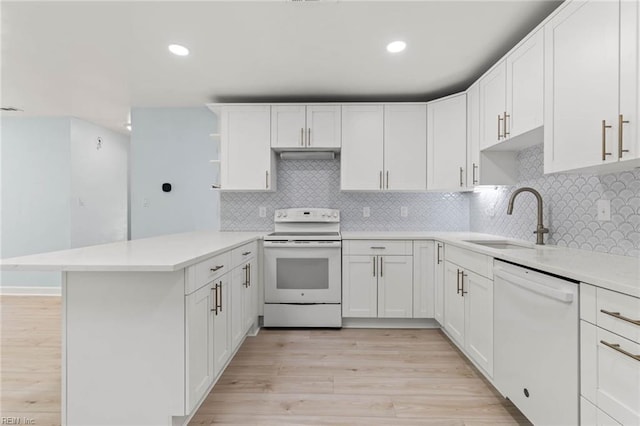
[{"x": 562, "y": 296}]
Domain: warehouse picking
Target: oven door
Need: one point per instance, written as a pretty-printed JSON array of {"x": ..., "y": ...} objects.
[{"x": 303, "y": 272}]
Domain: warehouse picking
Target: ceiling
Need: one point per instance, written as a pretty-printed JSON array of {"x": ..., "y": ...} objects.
[{"x": 96, "y": 60}]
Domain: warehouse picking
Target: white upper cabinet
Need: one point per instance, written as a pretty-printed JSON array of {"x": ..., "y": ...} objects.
[
  {"x": 305, "y": 126},
  {"x": 493, "y": 99},
  {"x": 525, "y": 86},
  {"x": 361, "y": 163},
  {"x": 591, "y": 86},
  {"x": 473, "y": 136},
  {"x": 405, "y": 147},
  {"x": 383, "y": 147},
  {"x": 246, "y": 159},
  {"x": 447, "y": 143},
  {"x": 511, "y": 95}
]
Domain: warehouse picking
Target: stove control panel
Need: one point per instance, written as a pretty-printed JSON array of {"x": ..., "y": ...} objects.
[{"x": 307, "y": 215}]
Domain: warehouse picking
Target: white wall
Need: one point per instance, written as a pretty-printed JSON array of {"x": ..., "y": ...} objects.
[
  {"x": 35, "y": 186},
  {"x": 99, "y": 180},
  {"x": 48, "y": 164},
  {"x": 173, "y": 145}
]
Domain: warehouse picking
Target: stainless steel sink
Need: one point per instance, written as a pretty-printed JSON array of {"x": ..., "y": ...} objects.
[{"x": 501, "y": 245}]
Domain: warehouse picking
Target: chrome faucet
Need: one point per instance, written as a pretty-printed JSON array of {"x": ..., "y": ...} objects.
[{"x": 540, "y": 230}]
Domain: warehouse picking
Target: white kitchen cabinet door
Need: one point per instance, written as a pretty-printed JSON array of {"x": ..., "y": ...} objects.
[
  {"x": 395, "y": 286},
  {"x": 361, "y": 164},
  {"x": 423, "y": 278},
  {"x": 288, "y": 126},
  {"x": 525, "y": 86},
  {"x": 629, "y": 80},
  {"x": 453, "y": 303},
  {"x": 438, "y": 277},
  {"x": 359, "y": 286},
  {"x": 581, "y": 86},
  {"x": 473, "y": 136},
  {"x": 493, "y": 100},
  {"x": 405, "y": 147},
  {"x": 250, "y": 300},
  {"x": 221, "y": 324},
  {"x": 246, "y": 158},
  {"x": 447, "y": 143},
  {"x": 323, "y": 126},
  {"x": 478, "y": 298},
  {"x": 237, "y": 304},
  {"x": 199, "y": 334}
]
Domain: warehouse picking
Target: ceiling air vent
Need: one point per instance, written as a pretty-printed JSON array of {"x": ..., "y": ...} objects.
[{"x": 12, "y": 109}]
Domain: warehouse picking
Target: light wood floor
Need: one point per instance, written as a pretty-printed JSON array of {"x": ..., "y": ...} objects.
[{"x": 280, "y": 377}]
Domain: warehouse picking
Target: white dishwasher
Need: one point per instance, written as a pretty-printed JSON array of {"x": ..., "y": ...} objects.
[{"x": 536, "y": 326}]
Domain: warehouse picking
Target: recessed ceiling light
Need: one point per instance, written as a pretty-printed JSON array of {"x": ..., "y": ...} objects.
[
  {"x": 178, "y": 50},
  {"x": 396, "y": 46}
]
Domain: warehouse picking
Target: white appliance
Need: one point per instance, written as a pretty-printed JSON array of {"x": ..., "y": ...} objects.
[
  {"x": 536, "y": 327},
  {"x": 303, "y": 269}
]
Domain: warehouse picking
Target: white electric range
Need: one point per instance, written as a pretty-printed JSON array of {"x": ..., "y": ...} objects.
[{"x": 303, "y": 269}]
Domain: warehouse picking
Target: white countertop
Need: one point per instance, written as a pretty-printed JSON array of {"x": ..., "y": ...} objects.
[
  {"x": 617, "y": 273},
  {"x": 165, "y": 253}
]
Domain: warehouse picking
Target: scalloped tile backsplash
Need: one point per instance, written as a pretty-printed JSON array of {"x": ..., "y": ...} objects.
[
  {"x": 569, "y": 208},
  {"x": 316, "y": 183},
  {"x": 570, "y": 205}
]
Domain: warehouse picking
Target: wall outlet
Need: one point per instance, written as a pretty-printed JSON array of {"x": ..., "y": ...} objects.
[
  {"x": 366, "y": 212},
  {"x": 262, "y": 211},
  {"x": 604, "y": 210},
  {"x": 404, "y": 211},
  {"x": 145, "y": 202}
]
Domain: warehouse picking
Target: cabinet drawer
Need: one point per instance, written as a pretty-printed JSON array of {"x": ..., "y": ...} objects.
[
  {"x": 590, "y": 415},
  {"x": 377, "y": 247},
  {"x": 618, "y": 313},
  {"x": 241, "y": 254},
  {"x": 207, "y": 271},
  {"x": 479, "y": 263}
]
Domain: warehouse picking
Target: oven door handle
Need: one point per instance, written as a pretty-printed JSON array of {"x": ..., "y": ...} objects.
[{"x": 314, "y": 244}]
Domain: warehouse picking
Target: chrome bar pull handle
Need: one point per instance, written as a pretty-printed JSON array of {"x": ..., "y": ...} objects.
[
  {"x": 621, "y": 123},
  {"x": 309, "y": 136},
  {"x": 266, "y": 179},
  {"x": 604, "y": 139},
  {"x": 461, "y": 177},
  {"x": 438, "y": 258},
  {"x": 301, "y": 136},
  {"x": 220, "y": 300},
  {"x": 374, "y": 266},
  {"x": 246, "y": 253},
  {"x": 622, "y": 317},
  {"x": 218, "y": 267},
  {"x": 457, "y": 281},
  {"x": 474, "y": 179},
  {"x": 387, "y": 179},
  {"x": 249, "y": 279},
  {"x": 381, "y": 263},
  {"x": 214, "y": 301},
  {"x": 616, "y": 347},
  {"x": 499, "y": 121},
  {"x": 380, "y": 179}
]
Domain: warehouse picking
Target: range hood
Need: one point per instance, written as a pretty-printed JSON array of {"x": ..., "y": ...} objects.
[{"x": 307, "y": 155}]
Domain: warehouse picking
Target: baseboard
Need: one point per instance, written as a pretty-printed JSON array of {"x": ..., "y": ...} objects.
[
  {"x": 389, "y": 323},
  {"x": 30, "y": 291}
]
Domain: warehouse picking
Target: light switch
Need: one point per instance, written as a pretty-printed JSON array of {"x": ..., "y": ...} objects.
[
  {"x": 604, "y": 210},
  {"x": 366, "y": 212},
  {"x": 404, "y": 211},
  {"x": 262, "y": 211}
]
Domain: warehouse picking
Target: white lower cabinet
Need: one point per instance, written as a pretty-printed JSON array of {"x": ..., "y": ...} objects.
[
  {"x": 221, "y": 324},
  {"x": 376, "y": 285},
  {"x": 609, "y": 357},
  {"x": 468, "y": 307},
  {"x": 244, "y": 300},
  {"x": 438, "y": 283},
  {"x": 424, "y": 265},
  {"x": 395, "y": 287},
  {"x": 199, "y": 342},
  {"x": 590, "y": 415}
]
